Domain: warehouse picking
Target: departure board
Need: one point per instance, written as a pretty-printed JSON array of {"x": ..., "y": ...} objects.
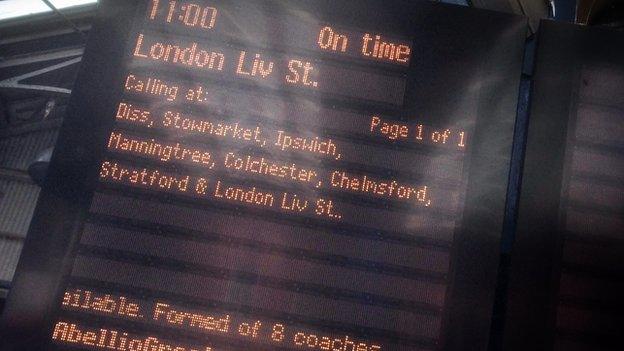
[
  {"x": 271, "y": 175},
  {"x": 566, "y": 284}
]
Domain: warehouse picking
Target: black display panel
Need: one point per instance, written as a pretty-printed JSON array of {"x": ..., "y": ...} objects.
[
  {"x": 566, "y": 283},
  {"x": 275, "y": 175}
]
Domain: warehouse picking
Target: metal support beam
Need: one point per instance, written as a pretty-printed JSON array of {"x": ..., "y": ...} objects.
[
  {"x": 15, "y": 175},
  {"x": 40, "y": 57},
  {"x": 14, "y": 83},
  {"x": 65, "y": 18}
]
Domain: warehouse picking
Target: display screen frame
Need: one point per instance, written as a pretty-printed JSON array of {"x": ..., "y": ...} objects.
[
  {"x": 67, "y": 193},
  {"x": 564, "y": 51}
]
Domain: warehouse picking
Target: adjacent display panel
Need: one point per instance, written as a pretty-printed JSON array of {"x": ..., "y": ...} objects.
[
  {"x": 567, "y": 269},
  {"x": 301, "y": 175}
]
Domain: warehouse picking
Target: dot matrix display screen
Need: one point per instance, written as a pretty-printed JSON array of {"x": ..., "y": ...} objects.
[{"x": 268, "y": 175}]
